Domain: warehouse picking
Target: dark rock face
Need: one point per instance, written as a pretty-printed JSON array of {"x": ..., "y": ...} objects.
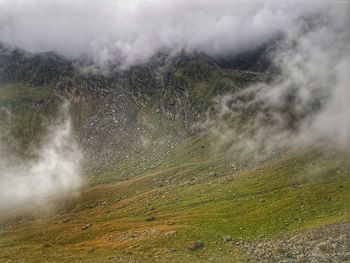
[
  {"x": 126, "y": 113},
  {"x": 35, "y": 70}
]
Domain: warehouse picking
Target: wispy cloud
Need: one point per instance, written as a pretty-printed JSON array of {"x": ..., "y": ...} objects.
[
  {"x": 306, "y": 104},
  {"x": 54, "y": 170}
]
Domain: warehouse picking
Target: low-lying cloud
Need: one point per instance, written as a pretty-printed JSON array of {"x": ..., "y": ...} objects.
[
  {"x": 307, "y": 103},
  {"x": 53, "y": 171},
  {"x": 130, "y": 32}
]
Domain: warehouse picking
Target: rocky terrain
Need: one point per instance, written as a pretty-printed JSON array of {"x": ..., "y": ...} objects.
[
  {"x": 166, "y": 177},
  {"x": 131, "y": 108},
  {"x": 325, "y": 244}
]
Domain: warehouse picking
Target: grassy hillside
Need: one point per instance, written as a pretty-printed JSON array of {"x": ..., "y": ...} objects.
[
  {"x": 25, "y": 111},
  {"x": 154, "y": 217},
  {"x": 153, "y": 185}
]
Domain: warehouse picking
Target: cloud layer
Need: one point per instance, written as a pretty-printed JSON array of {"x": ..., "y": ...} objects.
[
  {"x": 307, "y": 103},
  {"x": 131, "y": 32}
]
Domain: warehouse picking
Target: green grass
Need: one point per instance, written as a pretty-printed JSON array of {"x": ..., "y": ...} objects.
[
  {"x": 300, "y": 190},
  {"x": 194, "y": 191},
  {"x": 14, "y": 92}
]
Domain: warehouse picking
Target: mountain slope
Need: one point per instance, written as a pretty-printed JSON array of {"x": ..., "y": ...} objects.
[
  {"x": 155, "y": 216},
  {"x": 161, "y": 173}
]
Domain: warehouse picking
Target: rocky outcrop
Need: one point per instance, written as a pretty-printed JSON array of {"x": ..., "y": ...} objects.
[
  {"x": 320, "y": 245},
  {"x": 35, "y": 70},
  {"x": 148, "y": 108}
]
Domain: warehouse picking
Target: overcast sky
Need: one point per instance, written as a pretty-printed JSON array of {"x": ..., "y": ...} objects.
[{"x": 132, "y": 31}]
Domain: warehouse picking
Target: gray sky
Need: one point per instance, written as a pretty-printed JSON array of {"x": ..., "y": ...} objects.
[{"x": 133, "y": 31}]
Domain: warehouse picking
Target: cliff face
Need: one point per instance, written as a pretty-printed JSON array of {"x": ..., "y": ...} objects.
[
  {"x": 31, "y": 69},
  {"x": 146, "y": 110}
]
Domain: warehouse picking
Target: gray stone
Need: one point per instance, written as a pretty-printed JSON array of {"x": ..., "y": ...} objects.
[{"x": 195, "y": 245}]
